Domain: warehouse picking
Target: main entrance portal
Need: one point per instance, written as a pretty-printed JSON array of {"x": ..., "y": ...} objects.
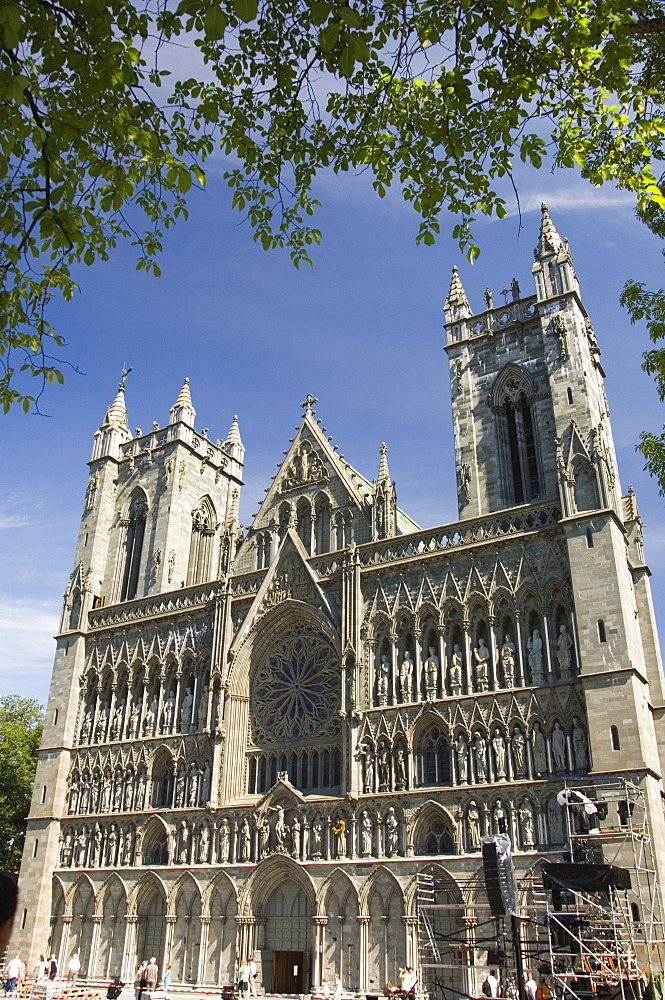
[{"x": 288, "y": 971}]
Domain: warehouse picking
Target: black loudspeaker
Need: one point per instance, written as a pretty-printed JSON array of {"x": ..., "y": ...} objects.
[{"x": 492, "y": 882}]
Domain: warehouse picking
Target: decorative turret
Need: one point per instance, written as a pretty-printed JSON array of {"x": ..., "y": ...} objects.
[
  {"x": 233, "y": 445},
  {"x": 114, "y": 430},
  {"x": 456, "y": 305},
  {"x": 385, "y": 500},
  {"x": 553, "y": 268},
  {"x": 182, "y": 410}
]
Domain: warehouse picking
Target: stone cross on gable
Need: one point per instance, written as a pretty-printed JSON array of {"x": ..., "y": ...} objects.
[{"x": 308, "y": 403}]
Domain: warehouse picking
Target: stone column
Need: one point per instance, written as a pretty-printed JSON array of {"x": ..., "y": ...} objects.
[
  {"x": 176, "y": 711},
  {"x": 195, "y": 696},
  {"x": 509, "y": 758},
  {"x": 454, "y": 776},
  {"x": 442, "y": 630},
  {"x": 363, "y": 921},
  {"x": 466, "y": 625},
  {"x": 576, "y": 661},
  {"x": 545, "y": 613},
  {"x": 109, "y": 721},
  {"x": 94, "y": 945},
  {"x": 203, "y": 948},
  {"x": 319, "y": 923},
  {"x": 569, "y": 751},
  {"x": 64, "y": 940},
  {"x": 144, "y": 697},
  {"x": 417, "y": 636},
  {"x": 160, "y": 700},
  {"x": 370, "y": 645},
  {"x": 411, "y": 930},
  {"x": 494, "y": 654},
  {"x": 170, "y": 919},
  {"x": 521, "y": 675},
  {"x": 392, "y": 687},
  {"x": 380, "y": 847},
  {"x": 353, "y": 838},
  {"x": 129, "y": 953}
]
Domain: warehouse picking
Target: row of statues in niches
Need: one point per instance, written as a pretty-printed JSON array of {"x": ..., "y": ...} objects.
[
  {"x": 469, "y": 758},
  {"x": 409, "y": 681},
  {"x": 108, "y": 718},
  {"x": 528, "y": 822}
]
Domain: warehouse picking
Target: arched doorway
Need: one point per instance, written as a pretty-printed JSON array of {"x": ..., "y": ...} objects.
[
  {"x": 112, "y": 936},
  {"x": 288, "y": 937},
  {"x": 152, "y": 926},
  {"x": 80, "y": 936},
  {"x": 187, "y": 934}
]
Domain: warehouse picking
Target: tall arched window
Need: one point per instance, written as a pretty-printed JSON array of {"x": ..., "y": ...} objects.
[
  {"x": 304, "y": 519},
  {"x": 585, "y": 489},
  {"x": 204, "y": 526},
  {"x": 512, "y": 401},
  {"x": 135, "y": 525},
  {"x": 323, "y": 513}
]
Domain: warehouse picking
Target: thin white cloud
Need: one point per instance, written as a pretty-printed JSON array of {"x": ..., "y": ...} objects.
[
  {"x": 26, "y": 647},
  {"x": 578, "y": 194},
  {"x": 12, "y": 510}
]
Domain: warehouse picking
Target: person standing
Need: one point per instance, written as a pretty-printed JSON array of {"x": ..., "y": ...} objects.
[
  {"x": 493, "y": 983},
  {"x": 166, "y": 982},
  {"x": 52, "y": 967},
  {"x": 12, "y": 973},
  {"x": 337, "y": 995},
  {"x": 40, "y": 968},
  {"x": 152, "y": 974},
  {"x": 243, "y": 977},
  {"x": 530, "y": 986},
  {"x": 252, "y": 977},
  {"x": 141, "y": 983},
  {"x": 73, "y": 968}
]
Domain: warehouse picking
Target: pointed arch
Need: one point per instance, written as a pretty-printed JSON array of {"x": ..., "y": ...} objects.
[
  {"x": 185, "y": 882},
  {"x": 204, "y": 527},
  {"x": 434, "y": 830},
  {"x": 155, "y": 842},
  {"x": 512, "y": 400},
  {"x": 337, "y": 878},
  {"x": 268, "y": 876},
  {"x": 132, "y": 524},
  {"x": 372, "y": 885}
]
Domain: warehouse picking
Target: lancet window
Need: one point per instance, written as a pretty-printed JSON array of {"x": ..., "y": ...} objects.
[
  {"x": 512, "y": 401},
  {"x": 133, "y": 546},
  {"x": 201, "y": 545}
]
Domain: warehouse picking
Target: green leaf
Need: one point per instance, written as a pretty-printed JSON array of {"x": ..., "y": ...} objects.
[
  {"x": 319, "y": 11},
  {"x": 246, "y": 9},
  {"x": 328, "y": 36},
  {"x": 214, "y": 23},
  {"x": 347, "y": 60},
  {"x": 190, "y": 6},
  {"x": 349, "y": 16}
]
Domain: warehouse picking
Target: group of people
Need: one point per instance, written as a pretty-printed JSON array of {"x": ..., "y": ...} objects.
[
  {"x": 491, "y": 987},
  {"x": 147, "y": 975},
  {"x": 407, "y": 984},
  {"x": 15, "y": 971}
]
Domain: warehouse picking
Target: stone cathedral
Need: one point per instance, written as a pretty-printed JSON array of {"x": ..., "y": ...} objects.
[{"x": 254, "y": 743}]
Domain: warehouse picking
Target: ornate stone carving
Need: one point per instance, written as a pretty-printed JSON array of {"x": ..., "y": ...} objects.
[{"x": 306, "y": 467}]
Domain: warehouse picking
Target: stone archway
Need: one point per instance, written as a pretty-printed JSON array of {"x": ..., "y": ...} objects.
[{"x": 287, "y": 943}]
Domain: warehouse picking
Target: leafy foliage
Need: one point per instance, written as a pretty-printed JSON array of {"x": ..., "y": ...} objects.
[
  {"x": 98, "y": 143},
  {"x": 20, "y": 736}
]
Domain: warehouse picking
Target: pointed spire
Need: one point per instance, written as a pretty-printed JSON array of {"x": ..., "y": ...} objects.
[
  {"x": 456, "y": 305},
  {"x": 183, "y": 409},
  {"x": 384, "y": 471},
  {"x": 233, "y": 437},
  {"x": 117, "y": 411},
  {"x": 234, "y": 507},
  {"x": 549, "y": 240},
  {"x": 114, "y": 430}
]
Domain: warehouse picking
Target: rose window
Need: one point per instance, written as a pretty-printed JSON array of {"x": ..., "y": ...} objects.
[{"x": 296, "y": 689}]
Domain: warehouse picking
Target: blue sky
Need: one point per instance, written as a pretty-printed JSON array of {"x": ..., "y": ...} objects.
[{"x": 361, "y": 330}]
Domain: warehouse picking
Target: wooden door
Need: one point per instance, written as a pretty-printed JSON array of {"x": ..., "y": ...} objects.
[{"x": 288, "y": 971}]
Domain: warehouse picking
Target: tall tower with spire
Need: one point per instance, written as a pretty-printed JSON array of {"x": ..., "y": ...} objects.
[{"x": 530, "y": 412}]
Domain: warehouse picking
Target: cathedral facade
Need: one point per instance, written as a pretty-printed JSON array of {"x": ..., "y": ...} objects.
[{"x": 255, "y": 745}]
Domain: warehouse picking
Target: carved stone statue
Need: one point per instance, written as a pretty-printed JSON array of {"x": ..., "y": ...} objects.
[
  {"x": 559, "y": 747},
  {"x": 555, "y": 821},
  {"x": 519, "y": 755},
  {"x": 431, "y": 674},
  {"x": 366, "y": 758},
  {"x": 102, "y": 722},
  {"x": 499, "y": 818},
  {"x": 245, "y": 841},
  {"x": 81, "y": 844},
  {"x": 203, "y": 709},
  {"x": 168, "y": 713},
  {"x": 224, "y": 840},
  {"x": 400, "y": 770},
  {"x": 116, "y": 726},
  {"x": 128, "y": 848},
  {"x": 180, "y": 783},
  {"x": 150, "y": 719},
  {"x": 112, "y": 846},
  {"x": 534, "y": 645},
  {"x": 508, "y": 661},
  {"x": 455, "y": 671},
  {"x": 462, "y": 757},
  {"x": 296, "y": 838},
  {"x": 473, "y": 826},
  {"x": 382, "y": 680},
  {"x": 205, "y": 783},
  {"x": 499, "y": 747},
  {"x": 183, "y": 851},
  {"x": 526, "y": 823},
  {"x": 317, "y": 837},
  {"x": 186, "y": 711},
  {"x": 67, "y": 850},
  {"x": 406, "y": 678},
  {"x": 366, "y": 834},
  {"x": 134, "y": 716},
  {"x": 193, "y": 796},
  {"x": 580, "y": 746},
  {"x": 204, "y": 844},
  {"x": 96, "y": 847},
  {"x": 480, "y": 753},
  {"x": 564, "y": 645},
  {"x": 106, "y": 793},
  {"x": 86, "y": 727},
  {"x": 481, "y": 655},
  {"x": 384, "y": 770},
  {"x": 117, "y": 792},
  {"x": 539, "y": 750},
  {"x": 280, "y": 827},
  {"x": 392, "y": 832},
  {"x": 338, "y": 827}
]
